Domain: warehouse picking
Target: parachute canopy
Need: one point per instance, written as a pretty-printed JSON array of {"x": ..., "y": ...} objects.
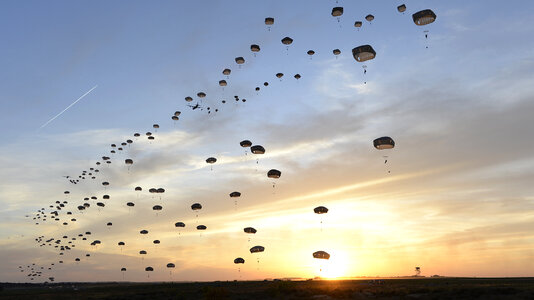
[
  {"x": 211, "y": 160},
  {"x": 336, "y": 51},
  {"x": 320, "y": 210},
  {"x": 269, "y": 21},
  {"x": 179, "y": 224},
  {"x": 287, "y": 41},
  {"x": 226, "y": 72},
  {"x": 401, "y": 8},
  {"x": 424, "y": 17},
  {"x": 240, "y": 60},
  {"x": 239, "y": 260},
  {"x": 170, "y": 265},
  {"x": 337, "y": 11},
  {"x": 369, "y": 18},
  {"x": 358, "y": 24},
  {"x": 384, "y": 142},
  {"x": 321, "y": 255},
  {"x": 363, "y": 53},
  {"x": 235, "y": 194},
  {"x": 273, "y": 173},
  {"x": 201, "y": 227},
  {"x": 196, "y": 206},
  {"x": 249, "y": 230},
  {"x": 254, "y": 48},
  {"x": 257, "y": 249},
  {"x": 257, "y": 149}
]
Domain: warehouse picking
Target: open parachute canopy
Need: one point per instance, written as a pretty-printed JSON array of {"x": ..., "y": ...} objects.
[
  {"x": 257, "y": 249},
  {"x": 363, "y": 53},
  {"x": 424, "y": 17},
  {"x": 384, "y": 142},
  {"x": 320, "y": 210},
  {"x": 321, "y": 255}
]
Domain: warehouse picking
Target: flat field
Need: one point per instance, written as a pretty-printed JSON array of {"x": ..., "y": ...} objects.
[{"x": 420, "y": 288}]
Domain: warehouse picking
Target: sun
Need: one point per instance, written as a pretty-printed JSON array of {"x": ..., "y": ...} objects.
[{"x": 335, "y": 267}]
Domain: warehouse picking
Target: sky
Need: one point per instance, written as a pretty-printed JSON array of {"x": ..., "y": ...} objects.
[{"x": 454, "y": 198}]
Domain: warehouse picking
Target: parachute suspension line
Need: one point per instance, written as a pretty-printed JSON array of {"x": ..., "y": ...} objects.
[
  {"x": 364, "y": 72},
  {"x": 426, "y": 38}
]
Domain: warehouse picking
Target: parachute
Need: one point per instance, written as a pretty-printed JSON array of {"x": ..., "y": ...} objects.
[
  {"x": 128, "y": 161},
  {"x": 226, "y": 72},
  {"x": 254, "y": 48},
  {"x": 424, "y": 17},
  {"x": 249, "y": 230},
  {"x": 320, "y": 210},
  {"x": 369, "y": 18},
  {"x": 143, "y": 231},
  {"x": 196, "y": 206},
  {"x": 211, "y": 160},
  {"x": 235, "y": 194},
  {"x": 239, "y": 260},
  {"x": 310, "y": 52},
  {"x": 170, "y": 265},
  {"x": 123, "y": 269},
  {"x": 257, "y": 249},
  {"x": 287, "y": 41},
  {"x": 279, "y": 75},
  {"x": 337, "y": 12},
  {"x": 157, "y": 207},
  {"x": 384, "y": 142},
  {"x": 131, "y": 204},
  {"x": 269, "y": 21},
  {"x": 336, "y": 52},
  {"x": 245, "y": 143},
  {"x": 188, "y": 99},
  {"x": 156, "y": 242},
  {"x": 257, "y": 149},
  {"x": 358, "y": 24},
  {"x": 297, "y": 76},
  {"x": 138, "y": 188},
  {"x": 273, "y": 173},
  {"x": 321, "y": 255},
  {"x": 201, "y": 94},
  {"x": 223, "y": 83},
  {"x": 401, "y": 8},
  {"x": 120, "y": 243},
  {"x": 201, "y": 227},
  {"x": 240, "y": 60},
  {"x": 109, "y": 224},
  {"x": 156, "y": 126},
  {"x": 363, "y": 53},
  {"x": 179, "y": 224}
]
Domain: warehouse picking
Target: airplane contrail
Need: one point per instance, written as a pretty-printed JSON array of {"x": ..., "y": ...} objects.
[{"x": 48, "y": 122}]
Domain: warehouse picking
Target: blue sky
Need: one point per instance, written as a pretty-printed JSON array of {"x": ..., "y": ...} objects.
[{"x": 459, "y": 112}]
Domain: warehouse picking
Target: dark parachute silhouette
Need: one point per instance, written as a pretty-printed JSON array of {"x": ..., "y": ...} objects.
[
  {"x": 188, "y": 99},
  {"x": 143, "y": 231},
  {"x": 131, "y": 204},
  {"x": 177, "y": 113},
  {"x": 274, "y": 174},
  {"x": 358, "y": 24},
  {"x": 369, "y": 18},
  {"x": 336, "y": 52},
  {"x": 109, "y": 224},
  {"x": 321, "y": 255},
  {"x": 235, "y": 195},
  {"x": 257, "y": 249},
  {"x": 211, "y": 161},
  {"x": 239, "y": 260},
  {"x": 269, "y": 21},
  {"x": 401, "y": 8},
  {"x": 201, "y": 94},
  {"x": 245, "y": 144},
  {"x": 297, "y": 76},
  {"x": 223, "y": 83},
  {"x": 100, "y": 204},
  {"x": 287, "y": 41},
  {"x": 255, "y": 49},
  {"x": 156, "y": 242},
  {"x": 227, "y": 72},
  {"x": 157, "y": 207},
  {"x": 249, "y": 230},
  {"x": 149, "y": 269},
  {"x": 202, "y": 227},
  {"x": 310, "y": 53},
  {"x": 320, "y": 210},
  {"x": 170, "y": 266},
  {"x": 363, "y": 53},
  {"x": 279, "y": 76},
  {"x": 337, "y": 12},
  {"x": 424, "y": 17},
  {"x": 179, "y": 225},
  {"x": 239, "y": 60},
  {"x": 384, "y": 143},
  {"x": 257, "y": 149}
]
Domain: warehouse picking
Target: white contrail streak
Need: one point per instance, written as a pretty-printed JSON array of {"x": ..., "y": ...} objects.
[{"x": 48, "y": 122}]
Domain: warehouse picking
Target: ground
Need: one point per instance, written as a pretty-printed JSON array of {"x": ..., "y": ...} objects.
[{"x": 420, "y": 288}]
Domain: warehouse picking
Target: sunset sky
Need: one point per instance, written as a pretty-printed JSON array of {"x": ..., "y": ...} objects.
[{"x": 458, "y": 201}]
